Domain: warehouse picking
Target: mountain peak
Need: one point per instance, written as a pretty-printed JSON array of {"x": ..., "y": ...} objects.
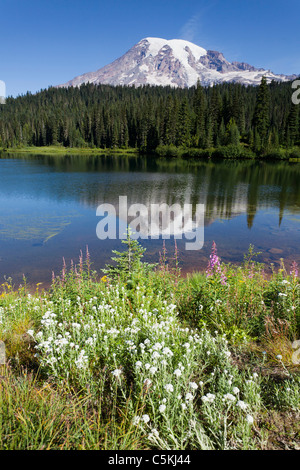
[{"x": 174, "y": 62}]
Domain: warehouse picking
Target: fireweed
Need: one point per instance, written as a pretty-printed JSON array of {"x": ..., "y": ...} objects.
[{"x": 215, "y": 267}]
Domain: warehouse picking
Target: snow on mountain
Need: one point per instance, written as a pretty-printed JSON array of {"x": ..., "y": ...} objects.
[{"x": 174, "y": 62}]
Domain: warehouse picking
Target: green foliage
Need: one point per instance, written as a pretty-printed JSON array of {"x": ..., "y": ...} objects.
[
  {"x": 150, "y": 117},
  {"x": 129, "y": 262},
  {"x": 246, "y": 303},
  {"x": 160, "y": 362},
  {"x": 261, "y": 119}
]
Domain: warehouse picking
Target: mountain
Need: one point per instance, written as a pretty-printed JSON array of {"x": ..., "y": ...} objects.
[{"x": 175, "y": 62}]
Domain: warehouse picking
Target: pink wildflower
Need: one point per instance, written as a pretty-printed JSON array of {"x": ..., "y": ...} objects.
[{"x": 214, "y": 265}]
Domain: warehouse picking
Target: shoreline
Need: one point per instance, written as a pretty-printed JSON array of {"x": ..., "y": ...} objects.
[
  {"x": 291, "y": 155},
  {"x": 52, "y": 150}
]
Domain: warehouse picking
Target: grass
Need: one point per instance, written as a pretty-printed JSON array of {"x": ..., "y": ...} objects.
[
  {"x": 146, "y": 359},
  {"x": 60, "y": 150},
  {"x": 241, "y": 152}
]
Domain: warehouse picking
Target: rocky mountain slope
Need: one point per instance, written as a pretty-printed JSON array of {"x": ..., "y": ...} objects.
[{"x": 175, "y": 62}]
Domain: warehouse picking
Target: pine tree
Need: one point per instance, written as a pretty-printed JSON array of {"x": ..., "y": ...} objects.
[
  {"x": 232, "y": 133},
  {"x": 127, "y": 262},
  {"x": 199, "y": 106},
  {"x": 183, "y": 135},
  {"x": 261, "y": 120}
]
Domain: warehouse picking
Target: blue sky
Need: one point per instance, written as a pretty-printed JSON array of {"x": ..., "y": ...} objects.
[{"x": 48, "y": 42}]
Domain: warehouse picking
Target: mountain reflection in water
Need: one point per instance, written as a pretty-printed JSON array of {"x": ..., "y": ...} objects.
[{"x": 48, "y": 208}]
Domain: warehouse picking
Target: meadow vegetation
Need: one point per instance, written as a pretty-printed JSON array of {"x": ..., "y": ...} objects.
[{"x": 145, "y": 358}]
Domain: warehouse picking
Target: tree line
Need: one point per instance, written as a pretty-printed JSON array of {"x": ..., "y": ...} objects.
[{"x": 256, "y": 118}]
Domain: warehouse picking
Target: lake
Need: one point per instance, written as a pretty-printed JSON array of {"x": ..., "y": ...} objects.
[{"x": 48, "y": 209}]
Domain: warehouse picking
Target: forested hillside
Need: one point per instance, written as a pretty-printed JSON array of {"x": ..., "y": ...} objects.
[{"x": 257, "y": 119}]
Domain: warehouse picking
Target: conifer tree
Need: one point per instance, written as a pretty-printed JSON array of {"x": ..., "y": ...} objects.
[{"x": 261, "y": 120}]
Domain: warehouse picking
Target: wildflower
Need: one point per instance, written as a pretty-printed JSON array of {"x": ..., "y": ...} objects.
[
  {"x": 193, "y": 385},
  {"x": 208, "y": 397},
  {"x": 162, "y": 408},
  {"x": 169, "y": 388},
  {"x": 136, "y": 420},
  {"x": 153, "y": 434},
  {"x": 214, "y": 265},
  {"x": 249, "y": 419},
  {"x": 236, "y": 390},
  {"x": 177, "y": 372},
  {"x": 155, "y": 355},
  {"x": 146, "y": 418},
  {"x": 147, "y": 382},
  {"x": 82, "y": 360},
  {"x": 183, "y": 406},
  {"x": 294, "y": 270},
  {"x": 167, "y": 352},
  {"x": 241, "y": 404},
  {"x": 279, "y": 356},
  {"x": 189, "y": 397},
  {"x": 152, "y": 370},
  {"x": 117, "y": 372},
  {"x": 229, "y": 397},
  {"x": 138, "y": 364}
]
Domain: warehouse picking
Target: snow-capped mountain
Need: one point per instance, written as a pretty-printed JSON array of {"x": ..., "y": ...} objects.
[{"x": 175, "y": 62}]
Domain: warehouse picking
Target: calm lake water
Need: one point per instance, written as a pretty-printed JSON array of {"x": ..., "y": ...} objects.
[{"x": 48, "y": 209}]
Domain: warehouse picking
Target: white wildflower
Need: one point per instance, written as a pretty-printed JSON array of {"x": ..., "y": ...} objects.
[
  {"x": 229, "y": 397},
  {"x": 189, "y": 396},
  {"x": 241, "y": 404},
  {"x": 249, "y": 419},
  {"x": 146, "y": 418},
  {"x": 147, "y": 382},
  {"x": 117, "y": 372},
  {"x": 169, "y": 388},
  {"x": 193, "y": 385},
  {"x": 136, "y": 420}
]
